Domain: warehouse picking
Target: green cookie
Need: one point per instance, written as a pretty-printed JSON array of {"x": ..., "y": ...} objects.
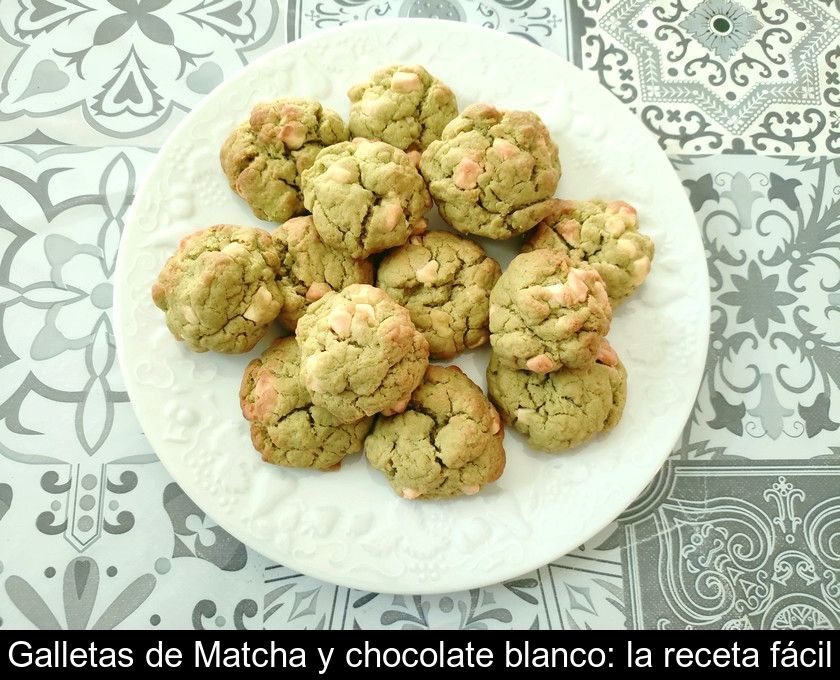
[
  {"x": 559, "y": 410},
  {"x": 402, "y": 105},
  {"x": 365, "y": 197},
  {"x": 360, "y": 352},
  {"x": 263, "y": 157},
  {"x": 492, "y": 172},
  {"x": 448, "y": 441},
  {"x": 603, "y": 234},
  {"x": 309, "y": 268},
  {"x": 219, "y": 290},
  {"x": 286, "y": 428},
  {"x": 444, "y": 281},
  {"x": 546, "y": 313}
]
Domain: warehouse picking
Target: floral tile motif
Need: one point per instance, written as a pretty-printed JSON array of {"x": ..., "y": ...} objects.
[
  {"x": 721, "y": 26},
  {"x": 81, "y": 605},
  {"x": 771, "y": 227},
  {"x": 707, "y": 75},
  {"x": 61, "y": 229},
  {"x": 293, "y": 600},
  {"x": 735, "y": 547},
  {"x": 124, "y": 65},
  {"x": 584, "y": 589},
  {"x": 551, "y": 24}
]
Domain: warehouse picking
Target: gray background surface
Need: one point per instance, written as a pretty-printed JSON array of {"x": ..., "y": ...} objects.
[{"x": 739, "y": 530}]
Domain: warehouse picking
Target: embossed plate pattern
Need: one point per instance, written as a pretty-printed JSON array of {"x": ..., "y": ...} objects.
[{"x": 348, "y": 527}]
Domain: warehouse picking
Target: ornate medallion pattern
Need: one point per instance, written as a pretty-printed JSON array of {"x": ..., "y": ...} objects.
[
  {"x": 712, "y": 75},
  {"x": 735, "y": 547}
]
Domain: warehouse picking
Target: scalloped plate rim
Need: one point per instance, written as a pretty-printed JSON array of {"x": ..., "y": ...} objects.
[{"x": 330, "y": 573}]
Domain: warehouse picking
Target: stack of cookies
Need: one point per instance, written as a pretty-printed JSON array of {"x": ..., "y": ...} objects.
[{"x": 351, "y": 201}]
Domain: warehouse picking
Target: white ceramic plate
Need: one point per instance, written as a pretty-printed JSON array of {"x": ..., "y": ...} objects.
[{"x": 349, "y": 527}]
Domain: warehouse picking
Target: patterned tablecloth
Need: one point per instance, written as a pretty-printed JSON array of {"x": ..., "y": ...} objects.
[{"x": 739, "y": 530}]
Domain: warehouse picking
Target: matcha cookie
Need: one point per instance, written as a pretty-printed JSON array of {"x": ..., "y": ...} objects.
[
  {"x": 444, "y": 281},
  {"x": 286, "y": 427},
  {"x": 263, "y": 158},
  {"x": 448, "y": 441},
  {"x": 365, "y": 197},
  {"x": 402, "y": 105},
  {"x": 360, "y": 353},
  {"x": 309, "y": 269},
  {"x": 546, "y": 313},
  {"x": 556, "y": 411},
  {"x": 492, "y": 172},
  {"x": 604, "y": 234},
  {"x": 219, "y": 290}
]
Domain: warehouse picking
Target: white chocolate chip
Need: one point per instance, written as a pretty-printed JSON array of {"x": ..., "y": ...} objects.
[
  {"x": 296, "y": 227},
  {"x": 576, "y": 283},
  {"x": 366, "y": 294},
  {"x": 365, "y": 313},
  {"x": 428, "y": 272},
  {"x": 465, "y": 175},
  {"x": 497, "y": 425},
  {"x": 627, "y": 247},
  {"x": 441, "y": 323},
  {"x": 340, "y": 320},
  {"x": 372, "y": 108},
  {"x": 234, "y": 250},
  {"x": 524, "y": 414},
  {"x": 556, "y": 293},
  {"x": 291, "y": 111},
  {"x": 420, "y": 226},
  {"x": 640, "y": 269},
  {"x": 606, "y": 354},
  {"x": 471, "y": 490},
  {"x": 263, "y": 307},
  {"x": 314, "y": 369},
  {"x": 415, "y": 157},
  {"x": 403, "y": 81},
  {"x": 392, "y": 213},
  {"x": 293, "y": 134},
  {"x": 317, "y": 290},
  {"x": 568, "y": 324},
  {"x": 189, "y": 314},
  {"x": 541, "y": 363},
  {"x": 339, "y": 174},
  {"x": 504, "y": 148},
  {"x": 570, "y": 231},
  {"x": 624, "y": 210},
  {"x": 410, "y": 494},
  {"x": 600, "y": 292},
  {"x": 615, "y": 225}
]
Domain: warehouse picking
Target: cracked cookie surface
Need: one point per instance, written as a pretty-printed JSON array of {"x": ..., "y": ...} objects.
[
  {"x": 309, "y": 268},
  {"x": 264, "y": 156},
  {"x": 286, "y": 427},
  {"x": 546, "y": 313},
  {"x": 361, "y": 354},
  {"x": 604, "y": 234},
  {"x": 444, "y": 281},
  {"x": 492, "y": 172},
  {"x": 559, "y": 410},
  {"x": 218, "y": 290},
  {"x": 365, "y": 196},
  {"x": 448, "y": 442},
  {"x": 403, "y": 105}
]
